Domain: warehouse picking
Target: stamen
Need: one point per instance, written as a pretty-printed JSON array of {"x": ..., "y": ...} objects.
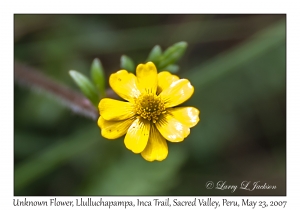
[{"x": 149, "y": 106}]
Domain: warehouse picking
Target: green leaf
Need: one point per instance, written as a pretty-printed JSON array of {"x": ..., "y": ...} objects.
[
  {"x": 97, "y": 75},
  {"x": 172, "y": 55},
  {"x": 172, "y": 68},
  {"x": 155, "y": 54},
  {"x": 86, "y": 86},
  {"x": 127, "y": 63}
]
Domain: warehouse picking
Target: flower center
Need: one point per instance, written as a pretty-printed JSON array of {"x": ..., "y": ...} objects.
[{"x": 149, "y": 107}]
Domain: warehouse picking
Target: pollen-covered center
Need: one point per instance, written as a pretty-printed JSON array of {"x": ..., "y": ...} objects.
[{"x": 149, "y": 107}]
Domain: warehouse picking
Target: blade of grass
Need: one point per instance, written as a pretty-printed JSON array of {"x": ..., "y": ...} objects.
[
  {"x": 228, "y": 61},
  {"x": 54, "y": 156}
]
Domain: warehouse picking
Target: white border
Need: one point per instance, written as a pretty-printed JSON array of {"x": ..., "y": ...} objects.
[{"x": 8, "y": 8}]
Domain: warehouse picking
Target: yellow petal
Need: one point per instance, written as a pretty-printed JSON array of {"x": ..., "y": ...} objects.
[
  {"x": 172, "y": 129},
  {"x": 157, "y": 148},
  {"x": 177, "y": 93},
  {"x": 165, "y": 79},
  {"x": 188, "y": 116},
  {"x": 111, "y": 109},
  {"x": 114, "y": 129},
  {"x": 125, "y": 85},
  {"x": 147, "y": 77},
  {"x": 137, "y": 136}
]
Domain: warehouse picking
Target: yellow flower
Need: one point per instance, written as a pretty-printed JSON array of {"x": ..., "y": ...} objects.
[{"x": 148, "y": 117}]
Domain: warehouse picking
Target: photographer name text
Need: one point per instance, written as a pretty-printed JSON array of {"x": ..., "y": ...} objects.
[{"x": 245, "y": 185}]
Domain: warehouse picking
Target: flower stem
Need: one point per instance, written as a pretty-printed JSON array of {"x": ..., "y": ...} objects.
[{"x": 29, "y": 77}]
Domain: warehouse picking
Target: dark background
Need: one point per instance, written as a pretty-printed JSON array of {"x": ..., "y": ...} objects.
[{"x": 237, "y": 64}]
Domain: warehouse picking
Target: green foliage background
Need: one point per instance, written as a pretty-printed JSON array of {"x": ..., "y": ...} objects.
[{"x": 237, "y": 64}]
